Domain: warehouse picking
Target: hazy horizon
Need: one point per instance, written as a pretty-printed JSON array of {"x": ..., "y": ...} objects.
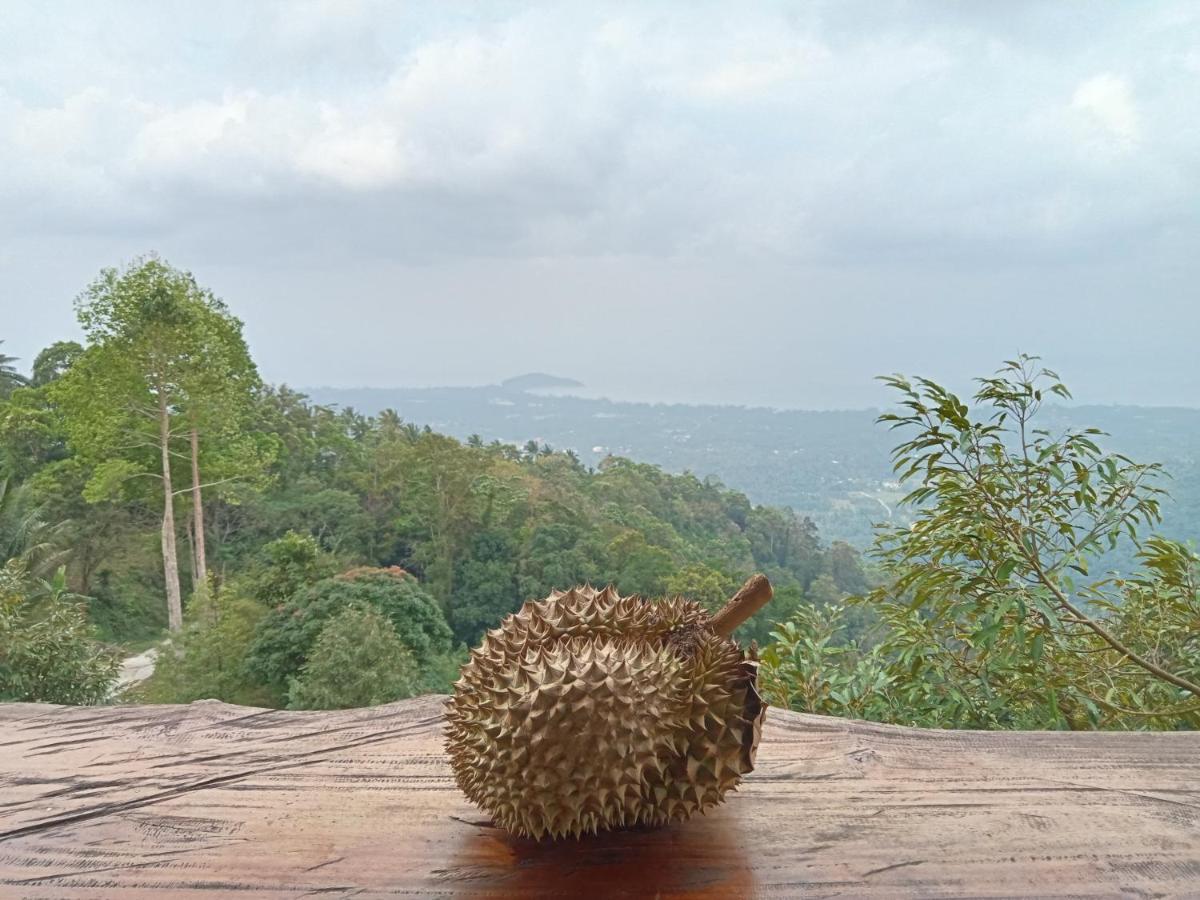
[
  {"x": 763, "y": 205},
  {"x": 963, "y": 389}
]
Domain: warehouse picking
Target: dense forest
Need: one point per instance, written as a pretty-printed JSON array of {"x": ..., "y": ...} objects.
[
  {"x": 287, "y": 517},
  {"x": 295, "y": 554},
  {"x": 831, "y": 466}
]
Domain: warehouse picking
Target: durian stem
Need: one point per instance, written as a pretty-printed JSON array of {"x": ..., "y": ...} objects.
[{"x": 750, "y": 599}]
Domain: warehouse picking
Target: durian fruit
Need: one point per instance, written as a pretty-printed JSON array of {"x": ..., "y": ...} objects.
[{"x": 588, "y": 711}]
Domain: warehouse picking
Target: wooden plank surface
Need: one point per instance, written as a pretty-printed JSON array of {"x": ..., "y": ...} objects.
[{"x": 165, "y": 801}]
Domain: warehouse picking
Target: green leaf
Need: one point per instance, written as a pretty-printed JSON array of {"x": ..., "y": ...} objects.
[{"x": 1005, "y": 570}]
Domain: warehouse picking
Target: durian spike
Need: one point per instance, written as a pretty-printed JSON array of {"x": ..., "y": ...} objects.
[{"x": 752, "y": 597}]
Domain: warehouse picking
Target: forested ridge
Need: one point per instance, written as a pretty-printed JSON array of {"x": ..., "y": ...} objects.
[
  {"x": 831, "y": 466},
  {"x": 300, "y": 555}
]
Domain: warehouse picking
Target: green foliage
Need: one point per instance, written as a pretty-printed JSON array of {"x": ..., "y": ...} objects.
[
  {"x": 25, "y": 535},
  {"x": 482, "y": 527},
  {"x": 843, "y": 567},
  {"x": 358, "y": 659},
  {"x": 810, "y": 667},
  {"x": 485, "y": 586},
  {"x": 53, "y": 362},
  {"x": 207, "y": 658},
  {"x": 711, "y": 588},
  {"x": 31, "y": 433},
  {"x": 286, "y": 635},
  {"x": 291, "y": 563},
  {"x": 991, "y": 613},
  {"x": 48, "y": 649},
  {"x": 127, "y": 603},
  {"x": 555, "y": 555},
  {"x": 639, "y": 566},
  {"x": 824, "y": 590},
  {"x": 166, "y": 373},
  {"x": 149, "y": 330},
  {"x": 702, "y": 583},
  {"x": 789, "y": 601}
]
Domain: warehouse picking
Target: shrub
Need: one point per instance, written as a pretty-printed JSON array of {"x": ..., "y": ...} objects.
[
  {"x": 48, "y": 648},
  {"x": 290, "y": 564},
  {"x": 810, "y": 668},
  {"x": 286, "y": 635},
  {"x": 356, "y": 660},
  {"x": 207, "y": 659}
]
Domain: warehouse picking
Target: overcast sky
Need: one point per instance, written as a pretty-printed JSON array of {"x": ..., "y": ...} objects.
[{"x": 736, "y": 202}]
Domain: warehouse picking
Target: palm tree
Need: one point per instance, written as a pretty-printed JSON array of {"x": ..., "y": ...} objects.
[
  {"x": 390, "y": 421},
  {"x": 10, "y": 378},
  {"x": 24, "y": 535}
]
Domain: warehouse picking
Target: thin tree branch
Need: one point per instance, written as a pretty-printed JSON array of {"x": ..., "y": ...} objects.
[
  {"x": 189, "y": 488},
  {"x": 1108, "y": 637}
]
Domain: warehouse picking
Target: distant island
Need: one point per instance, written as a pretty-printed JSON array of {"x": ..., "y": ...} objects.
[{"x": 537, "y": 381}]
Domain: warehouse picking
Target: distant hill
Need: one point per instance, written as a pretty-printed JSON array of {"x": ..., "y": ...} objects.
[{"x": 832, "y": 466}]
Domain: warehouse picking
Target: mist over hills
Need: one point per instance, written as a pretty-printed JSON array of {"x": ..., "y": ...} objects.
[{"x": 833, "y": 466}]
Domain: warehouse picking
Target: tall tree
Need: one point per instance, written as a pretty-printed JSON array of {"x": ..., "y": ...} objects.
[
  {"x": 219, "y": 402},
  {"x": 158, "y": 349}
]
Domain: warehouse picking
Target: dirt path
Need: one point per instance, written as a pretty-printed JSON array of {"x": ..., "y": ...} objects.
[{"x": 136, "y": 669}]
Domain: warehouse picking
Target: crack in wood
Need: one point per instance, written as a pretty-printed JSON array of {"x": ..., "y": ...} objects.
[
  {"x": 899, "y": 865},
  {"x": 106, "y": 809}
]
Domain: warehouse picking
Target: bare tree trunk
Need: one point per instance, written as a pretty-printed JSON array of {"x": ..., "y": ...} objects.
[
  {"x": 201, "y": 569},
  {"x": 170, "y": 561}
]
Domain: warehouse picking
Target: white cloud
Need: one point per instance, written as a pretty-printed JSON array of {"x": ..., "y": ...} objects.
[
  {"x": 359, "y": 157},
  {"x": 179, "y": 138},
  {"x": 558, "y": 131},
  {"x": 1108, "y": 102}
]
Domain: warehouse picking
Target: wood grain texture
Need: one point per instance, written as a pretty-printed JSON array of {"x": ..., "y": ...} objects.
[{"x": 181, "y": 801}]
